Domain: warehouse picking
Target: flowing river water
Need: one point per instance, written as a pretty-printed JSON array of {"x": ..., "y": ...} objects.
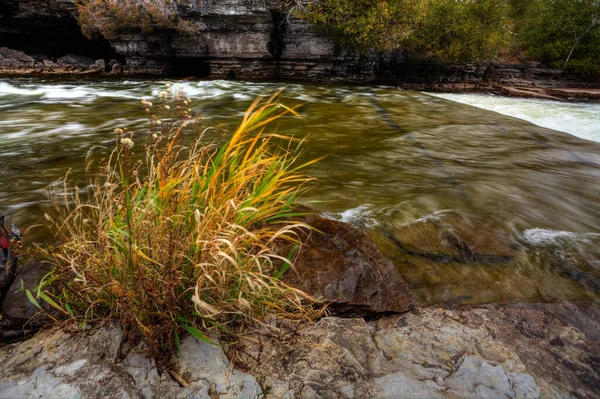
[{"x": 472, "y": 206}]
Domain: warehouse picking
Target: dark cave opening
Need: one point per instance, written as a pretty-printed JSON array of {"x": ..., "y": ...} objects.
[
  {"x": 189, "y": 66},
  {"x": 52, "y": 38}
]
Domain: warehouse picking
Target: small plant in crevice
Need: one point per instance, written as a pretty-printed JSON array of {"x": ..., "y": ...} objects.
[{"x": 185, "y": 240}]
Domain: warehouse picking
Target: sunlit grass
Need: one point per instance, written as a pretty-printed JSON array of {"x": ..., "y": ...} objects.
[{"x": 186, "y": 240}]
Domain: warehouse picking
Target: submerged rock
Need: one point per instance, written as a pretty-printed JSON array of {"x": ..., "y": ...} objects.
[
  {"x": 495, "y": 351},
  {"x": 341, "y": 264}
]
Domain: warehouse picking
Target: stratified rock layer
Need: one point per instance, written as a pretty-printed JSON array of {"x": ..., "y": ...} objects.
[{"x": 246, "y": 39}]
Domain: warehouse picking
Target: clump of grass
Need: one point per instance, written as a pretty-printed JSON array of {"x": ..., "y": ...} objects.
[{"x": 186, "y": 240}]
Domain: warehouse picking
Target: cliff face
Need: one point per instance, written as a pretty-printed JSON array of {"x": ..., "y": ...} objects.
[{"x": 245, "y": 39}]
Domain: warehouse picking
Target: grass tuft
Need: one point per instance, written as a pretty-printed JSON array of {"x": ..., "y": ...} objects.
[{"x": 185, "y": 240}]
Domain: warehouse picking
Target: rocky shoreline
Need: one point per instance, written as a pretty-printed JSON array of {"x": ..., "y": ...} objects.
[
  {"x": 17, "y": 63},
  {"x": 248, "y": 40},
  {"x": 376, "y": 342},
  {"x": 508, "y": 350}
]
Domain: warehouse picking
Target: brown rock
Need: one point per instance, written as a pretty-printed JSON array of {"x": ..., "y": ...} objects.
[
  {"x": 514, "y": 92},
  {"x": 116, "y": 68},
  {"x": 590, "y": 94},
  {"x": 341, "y": 264}
]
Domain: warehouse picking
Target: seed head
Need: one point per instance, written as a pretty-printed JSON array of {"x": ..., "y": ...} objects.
[{"x": 127, "y": 142}]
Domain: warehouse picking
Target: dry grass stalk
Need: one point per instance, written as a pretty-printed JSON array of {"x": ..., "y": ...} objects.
[{"x": 187, "y": 240}]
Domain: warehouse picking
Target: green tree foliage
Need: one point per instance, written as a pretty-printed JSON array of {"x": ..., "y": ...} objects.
[
  {"x": 463, "y": 30},
  {"x": 566, "y": 32},
  {"x": 454, "y": 30},
  {"x": 383, "y": 25}
]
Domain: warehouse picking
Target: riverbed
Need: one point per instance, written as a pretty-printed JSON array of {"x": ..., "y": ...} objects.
[{"x": 471, "y": 205}]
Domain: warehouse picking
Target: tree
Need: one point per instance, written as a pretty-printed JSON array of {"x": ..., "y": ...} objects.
[
  {"x": 463, "y": 30},
  {"x": 383, "y": 25},
  {"x": 566, "y": 32},
  {"x": 454, "y": 30}
]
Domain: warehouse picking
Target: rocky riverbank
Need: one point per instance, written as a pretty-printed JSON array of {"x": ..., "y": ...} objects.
[
  {"x": 512, "y": 350},
  {"x": 493, "y": 351},
  {"x": 240, "y": 39},
  {"x": 17, "y": 63}
]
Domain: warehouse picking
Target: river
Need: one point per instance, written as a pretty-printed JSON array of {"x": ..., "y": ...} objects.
[{"x": 471, "y": 205}]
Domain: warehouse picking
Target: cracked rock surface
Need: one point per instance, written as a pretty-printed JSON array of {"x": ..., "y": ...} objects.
[{"x": 486, "y": 351}]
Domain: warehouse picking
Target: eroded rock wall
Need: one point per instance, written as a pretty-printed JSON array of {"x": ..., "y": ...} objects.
[{"x": 245, "y": 39}]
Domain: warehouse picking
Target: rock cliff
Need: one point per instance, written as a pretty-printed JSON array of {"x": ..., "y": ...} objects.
[{"x": 245, "y": 39}]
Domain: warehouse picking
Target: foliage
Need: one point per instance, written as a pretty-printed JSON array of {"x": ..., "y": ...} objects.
[
  {"x": 187, "y": 240},
  {"x": 566, "y": 32},
  {"x": 454, "y": 30},
  {"x": 108, "y": 17},
  {"x": 458, "y": 30},
  {"x": 383, "y": 25}
]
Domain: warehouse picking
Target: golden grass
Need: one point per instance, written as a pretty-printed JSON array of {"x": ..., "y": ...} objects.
[{"x": 187, "y": 240}]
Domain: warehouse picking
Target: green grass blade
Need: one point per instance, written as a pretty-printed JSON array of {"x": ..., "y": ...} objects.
[
  {"x": 32, "y": 299},
  {"x": 198, "y": 334}
]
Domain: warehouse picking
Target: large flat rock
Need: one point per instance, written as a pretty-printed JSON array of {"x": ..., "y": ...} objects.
[
  {"x": 486, "y": 351},
  {"x": 512, "y": 350}
]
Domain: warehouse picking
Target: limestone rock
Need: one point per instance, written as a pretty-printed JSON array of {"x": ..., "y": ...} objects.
[
  {"x": 87, "y": 365},
  {"x": 98, "y": 65},
  {"x": 486, "y": 351},
  {"x": 116, "y": 68},
  {"x": 341, "y": 264},
  {"x": 15, "y": 59},
  {"x": 76, "y": 61},
  {"x": 520, "y": 351}
]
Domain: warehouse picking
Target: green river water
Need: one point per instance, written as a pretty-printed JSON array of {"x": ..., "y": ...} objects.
[{"x": 471, "y": 205}]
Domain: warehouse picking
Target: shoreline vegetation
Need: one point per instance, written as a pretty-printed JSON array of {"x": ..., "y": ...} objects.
[
  {"x": 564, "y": 33},
  {"x": 187, "y": 237}
]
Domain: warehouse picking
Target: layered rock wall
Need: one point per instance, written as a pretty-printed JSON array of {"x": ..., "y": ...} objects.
[{"x": 245, "y": 39}]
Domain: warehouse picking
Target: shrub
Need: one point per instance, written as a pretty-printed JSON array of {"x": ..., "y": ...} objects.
[
  {"x": 457, "y": 30},
  {"x": 186, "y": 240},
  {"x": 566, "y": 32},
  {"x": 383, "y": 25},
  {"x": 453, "y": 30},
  {"x": 108, "y": 17}
]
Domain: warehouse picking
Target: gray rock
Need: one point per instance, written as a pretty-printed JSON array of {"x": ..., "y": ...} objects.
[
  {"x": 476, "y": 378},
  {"x": 15, "y": 59},
  {"x": 116, "y": 68},
  {"x": 99, "y": 65},
  {"x": 489, "y": 351},
  {"x": 77, "y": 61},
  {"x": 470, "y": 352},
  {"x": 86, "y": 365},
  {"x": 48, "y": 64}
]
